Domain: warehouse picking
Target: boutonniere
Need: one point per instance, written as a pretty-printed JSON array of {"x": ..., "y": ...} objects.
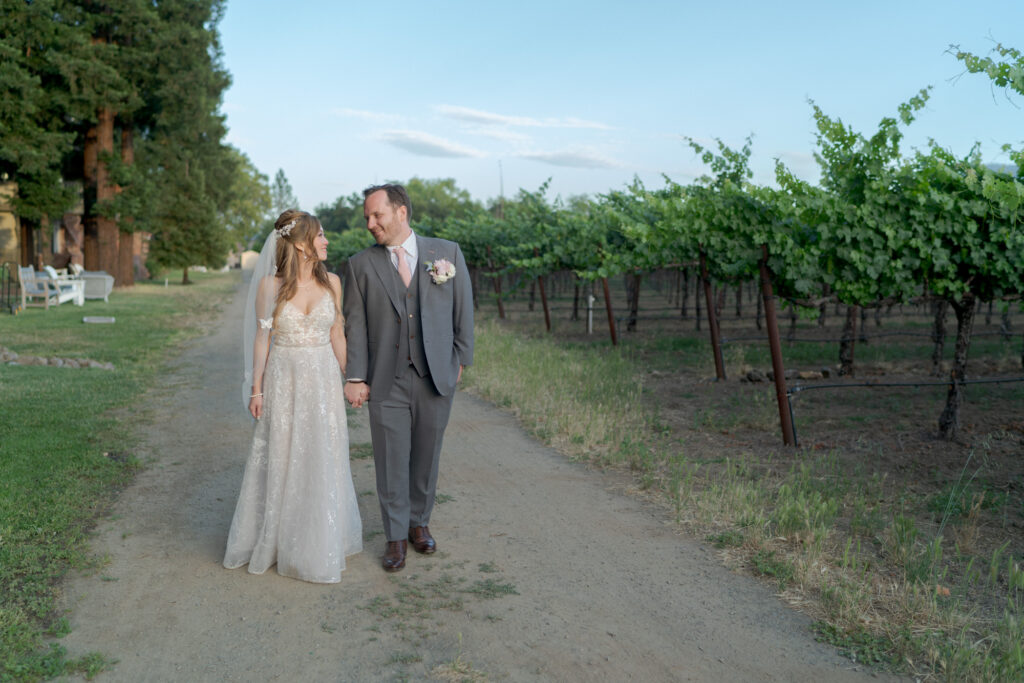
[{"x": 441, "y": 271}]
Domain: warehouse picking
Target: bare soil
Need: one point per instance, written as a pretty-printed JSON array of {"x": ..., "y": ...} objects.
[{"x": 547, "y": 570}]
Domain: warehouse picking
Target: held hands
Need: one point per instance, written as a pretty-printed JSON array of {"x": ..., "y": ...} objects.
[{"x": 357, "y": 393}]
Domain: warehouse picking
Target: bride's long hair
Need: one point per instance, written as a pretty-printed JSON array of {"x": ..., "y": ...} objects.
[{"x": 303, "y": 232}]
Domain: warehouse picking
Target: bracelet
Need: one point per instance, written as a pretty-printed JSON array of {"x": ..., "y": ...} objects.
[{"x": 259, "y": 395}]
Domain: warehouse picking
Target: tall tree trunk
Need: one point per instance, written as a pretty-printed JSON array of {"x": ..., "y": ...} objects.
[
  {"x": 988, "y": 314},
  {"x": 126, "y": 238},
  {"x": 846, "y": 342},
  {"x": 106, "y": 229},
  {"x": 533, "y": 295},
  {"x": 739, "y": 301},
  {"x": 939, "y": 336},
  {"x": 184, "y": 276},
  {"x": 1004, "y": 324},
  {"x": 949, "y": 421},
  {"x": 863, "y": 326},
  {"x": 792, "y": 322},
  {"x": 90, "y": 168}
]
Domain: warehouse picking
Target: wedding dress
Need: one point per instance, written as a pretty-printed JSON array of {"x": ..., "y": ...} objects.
[{"x": 297, "y": 505}]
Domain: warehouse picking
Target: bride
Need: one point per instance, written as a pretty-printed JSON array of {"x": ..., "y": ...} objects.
[{"x": 297, "y": 507}]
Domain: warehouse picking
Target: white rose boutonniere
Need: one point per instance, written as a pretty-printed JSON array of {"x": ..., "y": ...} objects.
[{"x": 441, "y": 270}]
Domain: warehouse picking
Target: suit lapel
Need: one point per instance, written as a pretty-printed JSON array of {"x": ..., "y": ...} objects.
[
  {"x": 423, "y": 281},
  {"x": 381, "y": 261}
]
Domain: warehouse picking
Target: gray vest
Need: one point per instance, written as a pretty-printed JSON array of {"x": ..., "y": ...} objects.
[{"x": 410, "y": 338}]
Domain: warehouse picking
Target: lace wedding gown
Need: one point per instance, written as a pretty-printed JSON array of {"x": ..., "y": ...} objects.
[{"x": 297, "y": 506}]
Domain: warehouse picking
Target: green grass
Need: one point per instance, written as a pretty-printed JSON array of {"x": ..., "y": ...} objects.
[
  {"x": 64, "y": 453},
  {"x": 769, "y": 563},
  {"x": 361, "y": 451},
  {"x": 858, "y": 644}
]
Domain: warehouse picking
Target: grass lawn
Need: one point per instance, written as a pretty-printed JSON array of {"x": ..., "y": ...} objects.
[{"x": 64, "y": 455}]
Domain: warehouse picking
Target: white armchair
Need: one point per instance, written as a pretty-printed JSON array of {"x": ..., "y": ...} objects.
[{"x": 51, "y": 287}]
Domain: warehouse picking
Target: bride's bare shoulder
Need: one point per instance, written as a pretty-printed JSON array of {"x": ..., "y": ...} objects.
[{"x": 335, "y": 283}]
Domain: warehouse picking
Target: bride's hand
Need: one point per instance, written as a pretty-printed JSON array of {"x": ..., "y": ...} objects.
[
  {"x": 355, "y": 393},
  {"x": 256, "y": 406}
]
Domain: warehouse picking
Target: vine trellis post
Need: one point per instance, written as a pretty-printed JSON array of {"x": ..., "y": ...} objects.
[
  {"x": 497, "y": 283},
  {"x": 608, "y": 308},
  {"x": 716, "y": 342},
  {"x": 785, "y": 417},
  {"x": 543, "y": 296}
]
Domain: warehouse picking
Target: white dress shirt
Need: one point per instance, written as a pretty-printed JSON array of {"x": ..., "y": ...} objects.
[{"x": 410, "y": 253}]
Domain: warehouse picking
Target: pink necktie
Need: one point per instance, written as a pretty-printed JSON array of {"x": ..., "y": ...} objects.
[{"x": 403, "y": 266}]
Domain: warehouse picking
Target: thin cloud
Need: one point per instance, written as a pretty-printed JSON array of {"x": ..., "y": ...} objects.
[
  {"x": 364, "y": 114},
  {"x": 572, "y": 159},
  {"x": 500, "y": 133},
  {"x": 492, "y": 119},
  {"x": 426, "y": 145}
]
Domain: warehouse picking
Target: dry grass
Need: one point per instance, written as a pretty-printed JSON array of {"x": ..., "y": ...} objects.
[{"x": 557, "y": 393}]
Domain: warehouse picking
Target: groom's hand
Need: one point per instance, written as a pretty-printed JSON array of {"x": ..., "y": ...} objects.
[{"x": 356, "y": 393}]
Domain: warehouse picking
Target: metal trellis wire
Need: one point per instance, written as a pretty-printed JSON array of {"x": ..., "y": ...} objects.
[{"x": 796, "y": 389}]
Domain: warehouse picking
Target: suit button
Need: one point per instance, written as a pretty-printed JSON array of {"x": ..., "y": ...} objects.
[{"x": 410, "y": 315}]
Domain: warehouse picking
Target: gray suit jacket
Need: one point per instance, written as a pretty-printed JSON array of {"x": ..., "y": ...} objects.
[{"x": 371, "y": 305}]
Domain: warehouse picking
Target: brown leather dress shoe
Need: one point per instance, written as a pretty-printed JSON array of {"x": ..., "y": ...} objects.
[
  {"x": 394, "y": 556},
  {"x": 422, "y": 541}
]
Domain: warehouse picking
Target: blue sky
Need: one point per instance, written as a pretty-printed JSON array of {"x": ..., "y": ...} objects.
[{"x": 342, "y": 95}]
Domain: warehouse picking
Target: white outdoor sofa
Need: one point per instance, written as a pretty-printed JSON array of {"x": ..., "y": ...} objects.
[
  {"x": 51, "y": 287},
  {"x": 98, "y": 283}
]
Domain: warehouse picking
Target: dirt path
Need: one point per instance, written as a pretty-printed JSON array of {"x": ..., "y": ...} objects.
[{"x": 547, "y": 571}]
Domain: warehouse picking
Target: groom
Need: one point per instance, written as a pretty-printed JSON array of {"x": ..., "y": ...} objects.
[{"x": 408, "y": 309}]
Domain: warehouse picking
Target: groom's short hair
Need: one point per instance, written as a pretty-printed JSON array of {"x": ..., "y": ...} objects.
[{"x": 397, "y": 196}]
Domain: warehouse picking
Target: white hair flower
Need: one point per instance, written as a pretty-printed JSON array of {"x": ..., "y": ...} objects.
[{"x": 285, "y": 229}]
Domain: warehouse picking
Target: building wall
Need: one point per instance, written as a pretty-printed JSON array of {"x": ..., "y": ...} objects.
[{"x": 10, "y": 226}]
